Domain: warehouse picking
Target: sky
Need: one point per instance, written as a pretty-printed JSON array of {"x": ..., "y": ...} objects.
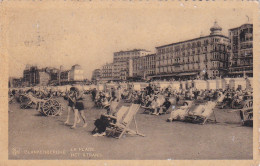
[{"x": 90, "y": 37}]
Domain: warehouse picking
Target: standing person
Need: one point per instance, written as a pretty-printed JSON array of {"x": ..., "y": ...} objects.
[
  {"x": 75, "y": 98},
  {"x": 94, "y": 93},
  {"x": 113, "y": 94},
  {"x": 118, "y": 93},
  {"x": 149, "y": 89},
  {"x": 79, "y": 109},
  {"x": 71, "y": 104}
]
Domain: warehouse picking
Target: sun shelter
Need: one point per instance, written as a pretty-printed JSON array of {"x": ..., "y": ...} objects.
[
  {"x": 101, "y": 87},
  {"x": 183, "y": 85},
  {"x": 175, "y": 85},
  {"x": 212, "y": 84},
  {"x": 238, "y": 83},
  {"x": 136, "y": 86},
  {"x": 200, "y": 84}
]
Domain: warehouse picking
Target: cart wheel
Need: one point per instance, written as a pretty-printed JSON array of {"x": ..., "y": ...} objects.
[{"x": 51, "y": 108}]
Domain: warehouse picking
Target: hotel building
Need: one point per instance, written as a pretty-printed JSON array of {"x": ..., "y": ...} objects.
[
  {"x": 144, "y": 67},
  {"x": 241, "y": 51},
  {"x": 123, "y": 63},
  {"x": 205, "y": 55},
  {"x": 107, "y": 72}
]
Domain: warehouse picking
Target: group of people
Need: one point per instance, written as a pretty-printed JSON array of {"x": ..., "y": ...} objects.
[
  {"x": 177, "y": 103},
  {"x": 157, "y": 101}
]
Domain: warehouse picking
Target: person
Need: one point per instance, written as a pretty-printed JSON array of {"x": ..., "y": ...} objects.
[
  {"x": 149, "y": 89},
  {"x": 166, "y": 105},
  {"x": 100, "y": 126},
  {"x": 155, "y": 105},
  {"x": 12, "y": 96},
  {"x": 180, "y": 113},
  {"x": 75, "y": 98},
  {"x": 94, "y": 93},
  {"x": 113, "y": 94}
]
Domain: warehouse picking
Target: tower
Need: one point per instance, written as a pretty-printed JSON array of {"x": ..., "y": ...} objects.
[{"x": 215, "y": 29}]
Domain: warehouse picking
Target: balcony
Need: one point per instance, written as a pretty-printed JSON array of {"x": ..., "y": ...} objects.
[{"x": 176, "y": 64}]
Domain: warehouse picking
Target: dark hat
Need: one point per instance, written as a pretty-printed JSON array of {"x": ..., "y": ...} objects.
[{"x": 74, "y": 89}]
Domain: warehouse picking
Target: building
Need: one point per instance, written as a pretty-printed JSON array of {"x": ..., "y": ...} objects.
[
  {"x": 76, "y": 73},
  {"x": 122, "y": 61},
  {"x": 205, "y": 56},
  {"x": 15, "y": 82},
  {"x": 32, "y": 76},
  {"x": 107, "y": 72},
  {"x": 64, "y": 77},
  {"x": 144, "y": 66},
  {"x": 44, "y": 78},
  {"x": 96, "y": 75},
  {"x": 241, "y": 51},
  {"x": 54, "y": 75}
]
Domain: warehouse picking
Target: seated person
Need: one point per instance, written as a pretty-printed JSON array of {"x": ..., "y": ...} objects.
[
  {"x": 155, "y": 105},
  {"x": 100, "y": 126},
  {"x": 103, "y": 122},
  {"x": 12, "y": 96},
  {"x": 149, "y": 100},
  {"x": 165, "y": 106},
  {"x": 180, "y": 113}
]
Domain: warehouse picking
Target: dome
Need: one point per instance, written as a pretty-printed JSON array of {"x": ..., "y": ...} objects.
[
  {"x": 215, "y": 29},
  {"x": 77, "y": 67}
]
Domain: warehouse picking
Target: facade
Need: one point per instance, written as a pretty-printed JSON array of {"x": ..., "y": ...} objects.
[
  {"x": 76, "y": 73},
  {"x": 241, "y": 51},
  {"x": 203, "y": 56},
  {"x": 32, "y": 76},
  {"x": 44, "y": 78},
  {"x": 96, "y": 75},
  {"x": 144, "y": 66},
  {"x": 15, "y": 82},
  {"x": 64, "y": 76},
  {"x": 122, "y": 60},
  {"x": 54, "y": 75},
  {"x": 107, "y": 71}
]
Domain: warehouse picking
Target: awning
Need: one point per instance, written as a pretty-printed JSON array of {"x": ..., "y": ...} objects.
[
  {"x": 187, "y": 74},
  {"x": 165, "y": 75},
  {"x": 241, "y": 72}
]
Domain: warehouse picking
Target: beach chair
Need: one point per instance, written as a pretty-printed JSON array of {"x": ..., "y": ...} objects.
[
  {"x": 246, "y": 113},
  {"x": 148, "y": 109},
  {"x": 112, "y": 107},
  {"x": 151, "y": 108},
  {"x": 117, "y": 119},
  {"x": 128, "y": 99},
  {"x": 201, "y": 113},
  {"x": 28, "y": 101},
  {"x": 119, "y": 115},
  {"x": 120, "y": 128}
]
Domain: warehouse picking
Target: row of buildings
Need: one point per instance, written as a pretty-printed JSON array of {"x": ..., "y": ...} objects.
[
  {"x": 211, "y": 56},
  {"x": 34, "y": 76}
]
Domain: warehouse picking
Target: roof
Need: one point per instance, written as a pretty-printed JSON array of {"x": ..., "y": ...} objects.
[
  {"x": 148, "y": 55},
  {"x": 194, "y": 39},
  {"x": 133, "y": 50},
  {"x": 240, "y": 26},
  {"x": 215, "y": 27}
]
